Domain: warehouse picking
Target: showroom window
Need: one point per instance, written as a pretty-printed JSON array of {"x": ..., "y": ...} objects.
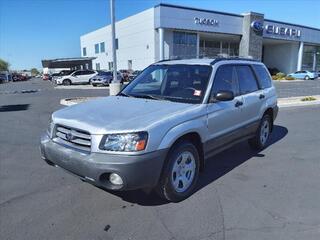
[
  {"x": 96, "y": 48},
  {"x": 117, "y": 44},
  {"x": 110, "y": 65},
  {"x": 102, "y": 48},
  {"x": 84, "y": 51},
  {"x": 184, "y": 44},
  {"x": 97, "y": 66}
]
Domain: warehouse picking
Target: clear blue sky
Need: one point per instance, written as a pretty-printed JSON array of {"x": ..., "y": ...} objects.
[{"x": 31, "y": 30}]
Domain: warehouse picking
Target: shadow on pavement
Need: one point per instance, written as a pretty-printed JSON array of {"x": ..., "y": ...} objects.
[
  {"x": 14, "y": 108},
  {"x": 216, "y": 167}
]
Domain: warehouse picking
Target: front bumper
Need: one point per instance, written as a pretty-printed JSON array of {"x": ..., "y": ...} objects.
[{"x": 136, "y": 171}]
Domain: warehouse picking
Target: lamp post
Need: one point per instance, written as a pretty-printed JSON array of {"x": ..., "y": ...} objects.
[{"x": 115, "y": 86}]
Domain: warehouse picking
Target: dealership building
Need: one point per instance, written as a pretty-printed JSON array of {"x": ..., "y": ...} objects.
[{"x": 170, "y": 32}]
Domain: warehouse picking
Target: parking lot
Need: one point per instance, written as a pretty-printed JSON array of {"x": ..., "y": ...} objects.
[{"x": 273, "y": 194}]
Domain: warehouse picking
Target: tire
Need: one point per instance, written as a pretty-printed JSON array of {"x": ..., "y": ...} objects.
[
  {"x": 307, "y": 78},
  {"x": 94, "y": 85},
  {"x": 66, "y": 82},
  {"x": 262, "y": 135},
  {"x": 180, "y": 174}
]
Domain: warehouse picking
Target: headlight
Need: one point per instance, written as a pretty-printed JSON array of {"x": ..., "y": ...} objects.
[
  {"x": 128, "y": 142},
  {"x": 50, "y": 128}
]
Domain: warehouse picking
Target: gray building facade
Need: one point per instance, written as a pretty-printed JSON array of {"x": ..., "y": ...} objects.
[{"x": 185, "y": 32}]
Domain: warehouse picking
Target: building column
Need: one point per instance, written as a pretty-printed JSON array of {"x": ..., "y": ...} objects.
[
  {"x": 161, "y": 44},
  {"x": 198, "y": 45},
  {"x": 314, "y": 65},
  {"x": 300, "y": 55}
]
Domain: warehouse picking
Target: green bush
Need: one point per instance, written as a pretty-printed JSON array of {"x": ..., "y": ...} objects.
[
  {"x": 289, "y": 78},
  {"x": 308, "y": 99},
  {"x": 280, "y": 75}
]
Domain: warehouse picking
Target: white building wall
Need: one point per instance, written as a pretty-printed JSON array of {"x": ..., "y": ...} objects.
[
  {"x": 136, "y": 42},
  {"x": 282, "y": 56}
]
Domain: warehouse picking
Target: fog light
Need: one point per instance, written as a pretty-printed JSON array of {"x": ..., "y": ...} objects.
[{"x": 115, "y": 179}]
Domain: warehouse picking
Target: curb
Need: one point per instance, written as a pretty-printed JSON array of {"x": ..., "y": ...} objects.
[{"x": 282, "y": 102}]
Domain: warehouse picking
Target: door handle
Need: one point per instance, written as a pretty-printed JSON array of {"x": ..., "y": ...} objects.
[
  {"x": 261, "y": 96},
  {"x": 238, "y": 104}
]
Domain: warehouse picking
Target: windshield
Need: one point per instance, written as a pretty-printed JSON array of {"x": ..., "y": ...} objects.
[{"x": 179, "y": 83}]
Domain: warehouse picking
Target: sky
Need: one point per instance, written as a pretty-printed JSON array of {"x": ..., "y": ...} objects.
[{"x": 32, "y": 30}]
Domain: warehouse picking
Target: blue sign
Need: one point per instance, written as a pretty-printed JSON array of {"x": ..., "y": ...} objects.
[{"x": 257, "y": 26}]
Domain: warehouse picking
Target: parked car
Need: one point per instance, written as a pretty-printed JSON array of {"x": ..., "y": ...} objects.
[
  {"x": 3, "y": 78},
  {"x": 160, "y": 134},
  {"x": 103, "y": 78},
  {"x": 133, "y": 75},
  {"x": 317, "y": 73},
  {"x": 18, "y": 77},
  {"x": 61, "y": 73},
  {"x": 303, "y": 75},
  {"x": 125, "y": 74},
  {"x": 46, "y": 77},
  {"x": 76, "y": 77}
]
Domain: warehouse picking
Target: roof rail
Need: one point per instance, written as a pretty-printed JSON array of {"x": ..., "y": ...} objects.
[{"x": 218, "y": 59}]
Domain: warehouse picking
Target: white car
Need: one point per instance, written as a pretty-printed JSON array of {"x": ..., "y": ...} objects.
[{"x": 76, "y": 77}]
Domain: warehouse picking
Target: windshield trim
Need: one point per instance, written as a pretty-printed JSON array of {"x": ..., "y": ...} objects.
[{"x": 167, "y": 98}]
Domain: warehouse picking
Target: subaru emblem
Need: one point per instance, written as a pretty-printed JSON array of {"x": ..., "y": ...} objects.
[
  {"x": 257, "y": 26},
  {"x": 69, "y": 136}
]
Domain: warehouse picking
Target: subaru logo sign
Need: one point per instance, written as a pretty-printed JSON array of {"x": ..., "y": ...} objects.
[
  {"x": 257, "y": 26},
  {"x": 69, "y": 136}
]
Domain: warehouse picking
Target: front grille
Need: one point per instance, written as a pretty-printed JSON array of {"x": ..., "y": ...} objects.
[{"x": 73, "y": 137}]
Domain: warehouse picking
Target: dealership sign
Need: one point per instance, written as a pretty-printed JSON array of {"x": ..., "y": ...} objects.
[
  {"x": 258, "y": 27},
  {"x": 282, "y": 31},
  {"x": 206, "y": 21}
]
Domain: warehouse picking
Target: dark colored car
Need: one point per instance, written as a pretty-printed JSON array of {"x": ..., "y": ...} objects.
[
  {"x": 133, "y": 75},
  {"x": 18, "y": 77},
  {"x": 103, "y": 78}
]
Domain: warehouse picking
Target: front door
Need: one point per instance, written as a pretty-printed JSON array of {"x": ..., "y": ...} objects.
[{"x": 223, "y": 118}]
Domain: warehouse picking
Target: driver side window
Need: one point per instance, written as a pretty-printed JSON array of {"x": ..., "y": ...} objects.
[{"x": 225, "y": 80}]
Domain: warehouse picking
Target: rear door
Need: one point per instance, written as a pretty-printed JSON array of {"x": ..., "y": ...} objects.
[
  {"x": 253, "y": 96},
  {"x": 86, "y": 75},
  {"x": 76, "y": 77},
  {"x": 224, "y": 118}
]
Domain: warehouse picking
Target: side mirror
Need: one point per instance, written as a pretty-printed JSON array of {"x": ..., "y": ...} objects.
[{"x": 222, "y": 96}]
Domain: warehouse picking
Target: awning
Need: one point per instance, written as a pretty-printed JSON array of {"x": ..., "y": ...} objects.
[{"x": 67, "y": 62}]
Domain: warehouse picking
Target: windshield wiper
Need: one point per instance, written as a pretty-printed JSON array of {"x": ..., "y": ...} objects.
[
  {"x": 148, "y": 96},
  {"x": 124, "y": 94}
]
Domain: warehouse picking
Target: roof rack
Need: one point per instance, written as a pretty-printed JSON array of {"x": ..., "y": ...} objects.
[{"x": 218, "y": 59}]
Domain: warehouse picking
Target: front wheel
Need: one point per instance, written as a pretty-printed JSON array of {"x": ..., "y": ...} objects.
[
  {"x": 262, "y": 135},
  {"x": 179, "y": 177},
  {"x": 307, "y": 77},
  {"x": 66, "y": 82}
]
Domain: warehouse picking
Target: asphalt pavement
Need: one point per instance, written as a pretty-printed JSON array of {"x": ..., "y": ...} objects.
[{"x": 272, "y": 194}]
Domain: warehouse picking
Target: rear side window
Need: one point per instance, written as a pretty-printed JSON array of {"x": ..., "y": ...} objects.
[
  {"x": 263, "y": 76},
  {"x": 246, "y": 79},
  {"x": 224, "y": 80}
]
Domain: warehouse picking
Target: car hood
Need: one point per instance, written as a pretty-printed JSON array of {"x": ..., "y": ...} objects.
[{"x": 118, "y": 114}]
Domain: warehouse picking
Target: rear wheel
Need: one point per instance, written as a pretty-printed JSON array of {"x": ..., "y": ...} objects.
[
  {"x": 262, "y": 135},
  {"x": 94, "y": 85},
  {"x": 179, "y": 177},
  {"x": 66, "y": 82}
]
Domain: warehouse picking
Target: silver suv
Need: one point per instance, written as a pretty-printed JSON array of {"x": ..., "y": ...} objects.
[{"x": 164, "y": 126}]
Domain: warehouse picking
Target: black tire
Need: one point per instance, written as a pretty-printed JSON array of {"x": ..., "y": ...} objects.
[
  {"x": 257, "y": 142},
  {"x": 94, "y": 85},
  {"x": 307, "y": 78},
  {"x": 165, "y": 188},
  {"x": 66, "y": 82}
]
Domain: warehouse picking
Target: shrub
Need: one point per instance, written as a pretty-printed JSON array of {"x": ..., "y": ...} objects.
[
  {"x": 280, "y": 75},
  {"x": 274, "y": 77},
  {"x": 289, "y": 78},
  {"x": 308, "y": 99}
]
